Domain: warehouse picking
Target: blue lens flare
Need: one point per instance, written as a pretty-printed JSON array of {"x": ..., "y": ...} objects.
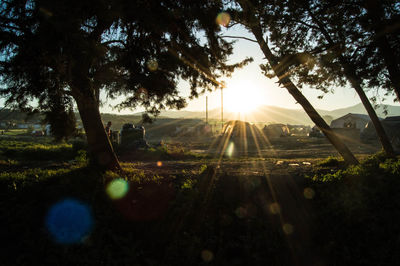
[{"x": 69, "y": 221}]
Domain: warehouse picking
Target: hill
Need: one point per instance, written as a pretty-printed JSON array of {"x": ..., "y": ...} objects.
[
  {"x": 264, "y": 114},
  {"x": 274, "y": 114}
]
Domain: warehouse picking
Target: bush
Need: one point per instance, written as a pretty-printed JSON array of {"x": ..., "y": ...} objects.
[
  {"x": 356, "y": 208},
  {"x": 81, "y": 157},
  {"x": 78, "y": 145},
  {"x": 330, "y": 162}
]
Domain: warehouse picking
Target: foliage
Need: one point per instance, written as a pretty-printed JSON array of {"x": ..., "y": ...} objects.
[
  {"x": 72, "y": 50},
  {"x": 323, "y": 45},
  {"x": 356, "y": 200},
  {"x": 61, "y": 118},
  {"x": 330, "y": 162},
  {"x": 29, "y": 130},
  {"x": 78, "y": 145},
  {"x": 81, "y": 157}
]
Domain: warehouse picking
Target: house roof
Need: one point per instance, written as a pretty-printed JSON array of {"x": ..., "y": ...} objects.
[
  {"x": 358, "y": 116},
  {"x": 392, "y": 118}
]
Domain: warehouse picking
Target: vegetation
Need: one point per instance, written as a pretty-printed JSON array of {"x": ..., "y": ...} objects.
[
  {"x": 199, "y": 215},
  {"x": 72, "y": 51},
  {"x": 331, "y": 57},
  {"x": 31, "y": 150},
  {"x": 264, "y": 202},
  {"x": 247, "y": 14},
  {"x": 357, "y": 206},
  {"x": 61, "y": 118}
]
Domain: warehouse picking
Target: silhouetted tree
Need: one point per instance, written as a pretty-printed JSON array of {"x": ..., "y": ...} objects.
[
  {"x": 322, "y": 45},
  {"x": 381, "y": 20},
  {"x": 139, "y": 49},
  {"x": 254, "y": 15},
  {"x": 62, "y": 120}
]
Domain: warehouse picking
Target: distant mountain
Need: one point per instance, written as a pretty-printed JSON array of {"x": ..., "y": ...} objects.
[
  {"x": 359, "y": 109},
  {"x": 274, "y": 114},
  {"x": 263, "y": 114}
]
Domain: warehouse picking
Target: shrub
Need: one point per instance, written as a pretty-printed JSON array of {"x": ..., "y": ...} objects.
[
  {"x": 330, "y": 162},
  {"x": 78, "y": 145}
]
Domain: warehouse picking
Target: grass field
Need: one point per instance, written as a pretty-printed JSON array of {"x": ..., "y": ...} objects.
[
  {"x": 173, "y": 206},
  {"x": 13, "y": 132}
]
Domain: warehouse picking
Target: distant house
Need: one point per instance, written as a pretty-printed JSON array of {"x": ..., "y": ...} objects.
[
  {"x": 276, "y": 131},
  {"x": 350, "y": 126},
  {"x": 357, "y": 121}
]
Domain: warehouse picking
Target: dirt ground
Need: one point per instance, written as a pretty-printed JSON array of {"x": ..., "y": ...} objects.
[{"x": 290, "y": 155}]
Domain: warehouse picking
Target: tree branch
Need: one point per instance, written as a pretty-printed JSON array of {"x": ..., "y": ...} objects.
[
  {"x": 113, "y": 41},
  {"x": 239, "y": 37}
]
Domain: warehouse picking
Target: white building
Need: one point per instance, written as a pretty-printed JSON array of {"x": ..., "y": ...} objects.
[{"x": 350, "y": 120}]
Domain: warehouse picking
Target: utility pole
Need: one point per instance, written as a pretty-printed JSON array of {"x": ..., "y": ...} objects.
[
  {"x": 222, "y": 108},
  {"x": 207, "y": 110}
]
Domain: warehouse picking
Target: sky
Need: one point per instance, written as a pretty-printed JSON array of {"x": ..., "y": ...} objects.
[{"x": 249, "y": 87}]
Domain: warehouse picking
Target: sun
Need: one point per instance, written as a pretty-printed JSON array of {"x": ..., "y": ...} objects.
[{"x": 242, "y": 96}]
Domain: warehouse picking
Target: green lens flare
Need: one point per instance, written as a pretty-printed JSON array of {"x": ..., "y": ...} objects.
[{"x": 117, "y": 188}]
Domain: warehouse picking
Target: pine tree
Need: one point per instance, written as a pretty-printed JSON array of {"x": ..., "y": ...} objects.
[
  {"x": 136, "y": 49},
  {"x": 322, "y": 45},
  {"x": 254, "y": 15}
]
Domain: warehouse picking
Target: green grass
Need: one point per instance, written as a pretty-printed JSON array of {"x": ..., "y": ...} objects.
[
  {"x": 14, "y": 132},
  {"x": 21, "y": 149},
  {"x": 358, "y": 212}
]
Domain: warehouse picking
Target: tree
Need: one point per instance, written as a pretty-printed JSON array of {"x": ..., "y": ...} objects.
[
  {"x": 62, "y": 120},
  {"x": 330, "y": 43},
  {"x": 382, "y": 19},
  {"x": 250, "y": 14},
  {"x": 139, "y": 49}
]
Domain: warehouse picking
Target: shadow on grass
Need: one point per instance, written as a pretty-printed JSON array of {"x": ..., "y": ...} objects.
[
  {"x": 179, "y": 220},
  {"x": 203, "y": 218}
]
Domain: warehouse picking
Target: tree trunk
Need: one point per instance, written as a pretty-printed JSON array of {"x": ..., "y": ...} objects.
[
  {"x": 375, "y": 12},
  {"x": 100, "y": 147},
  {"x": 347, "y": 155},
  {"x": 380, "y": 131}
]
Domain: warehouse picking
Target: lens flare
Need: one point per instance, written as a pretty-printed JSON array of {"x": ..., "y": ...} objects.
[
  {"x": 229, "y": 151},
  {"x": 309, "y": 193},
  {"x": 159, "y": 163},
  {"x": 117, "y": 188},
  {"x": 152, "y": 65},
  {"x": 69, "y": 221},
  {"x": 241, "y": 212},
  {"x": 274, "y": 208},
  {"x": 287, "y": 229},
  {"x": 207, "y": 255},
  {"x": 223, "y": 19}
]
